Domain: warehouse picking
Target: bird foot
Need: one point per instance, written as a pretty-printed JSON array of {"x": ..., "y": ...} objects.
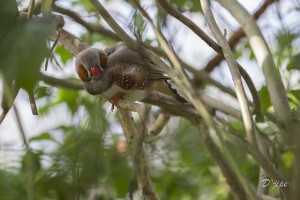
[{"x": 114, "y": 101}]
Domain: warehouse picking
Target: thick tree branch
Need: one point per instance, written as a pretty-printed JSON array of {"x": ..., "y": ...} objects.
[{"x": 137, "y": 153}]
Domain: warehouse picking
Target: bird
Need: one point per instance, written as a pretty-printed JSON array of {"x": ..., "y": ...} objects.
[{"x": 119, "y": 72}]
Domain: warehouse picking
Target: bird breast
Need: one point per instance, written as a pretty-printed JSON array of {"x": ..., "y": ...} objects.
[{"x": 131, "y": 95}]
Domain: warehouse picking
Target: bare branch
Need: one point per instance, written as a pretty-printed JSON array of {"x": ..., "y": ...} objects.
[
  {"x": 137, "y": 153},
  {"x": 91, "y": 27},
  {"x": 61, "y": 82},
  {"x": 160, "y": 122},
  {"x": 20, "y": 126},
  {"x": 31, "y": 7},
  {"x": 34, "y": 109}
]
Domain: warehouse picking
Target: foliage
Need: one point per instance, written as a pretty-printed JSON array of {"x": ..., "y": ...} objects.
[{"x": 88, "y": 158}]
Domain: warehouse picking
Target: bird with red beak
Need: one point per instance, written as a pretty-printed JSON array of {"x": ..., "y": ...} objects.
[{"x": 120, "y": 72}]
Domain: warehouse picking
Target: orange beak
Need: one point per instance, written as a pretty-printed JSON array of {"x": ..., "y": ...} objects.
[{"x": 95, "y": 72}]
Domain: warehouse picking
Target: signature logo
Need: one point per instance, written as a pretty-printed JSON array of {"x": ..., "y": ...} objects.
[{"x": 276, "y": 183}]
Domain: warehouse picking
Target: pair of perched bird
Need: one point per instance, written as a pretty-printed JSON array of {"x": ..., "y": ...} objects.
[{"x": 120, "y": 72}]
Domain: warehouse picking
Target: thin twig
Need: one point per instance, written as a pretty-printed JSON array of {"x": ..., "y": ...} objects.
[
  {"x": 61, "y": 82},
  {"x": 52, "y": 48},
  {"x": 20, "y": 126},
  {"x": 31, "y": 8},
  {"x": 34, "y": 109},
  {"x": 160, "y": 122}
]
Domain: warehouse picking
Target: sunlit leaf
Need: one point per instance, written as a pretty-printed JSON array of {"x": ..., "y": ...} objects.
[
  {"x": 294, "y": 62},
  {"x": 264, "y": 99},
  {"x": 65, "y": 55}
]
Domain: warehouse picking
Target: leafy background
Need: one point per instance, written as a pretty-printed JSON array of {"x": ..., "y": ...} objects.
[{"x": 85, "y": 156}]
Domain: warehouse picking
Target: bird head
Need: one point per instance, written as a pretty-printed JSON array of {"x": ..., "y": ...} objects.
[{"x": 91, "y": 66}]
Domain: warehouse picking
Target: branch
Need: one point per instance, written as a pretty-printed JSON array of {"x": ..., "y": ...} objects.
[
  {"x": 232, "y": 180},
  {"x": 264, "y": 58},
  {"x": 61, "y": 82},
  {"x": 235, "y": 38},
  {"x": 160, "y": 122},
  {"x": 70, "y": 42},
  {"x": 137, "y": 153},
  {"x": 263, "y": 147},
  {"x": 34, "y": 109},
  {"x": 91, "y": 27},
  {"x": 236, "y": 76}
]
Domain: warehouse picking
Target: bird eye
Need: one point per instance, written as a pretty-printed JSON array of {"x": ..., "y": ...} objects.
[{"x": 82, "y": 73}]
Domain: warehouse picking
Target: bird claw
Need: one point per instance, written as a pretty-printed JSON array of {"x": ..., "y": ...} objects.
[{"x": 114, "y": 101}]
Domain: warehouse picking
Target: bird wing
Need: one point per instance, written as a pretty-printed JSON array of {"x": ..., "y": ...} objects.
[
  {"x": 134, "y": 76},
  {"x": 130, "y": 70}
]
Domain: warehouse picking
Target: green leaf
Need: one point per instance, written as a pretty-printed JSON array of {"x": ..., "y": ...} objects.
[
  {"x": 23, "y": 49},
  {"x": 44, "y": 136},
  {"x": 259, "y": 118},
  {"x": 294, "y": 62},
  {"x": 86, "y": 3},
  {"x": 285, "y": 39},
  {"x": 264, "y": 99},
  {"x": 69, "y": 97},
  {"x": 287, "y": 159},
  {"x": 295, "y": 93},
  {"x": 41, "y": 92},
  {"x": 191, "y": 5},
  {"x": 64, "y": 54},
  {"x": 294, "y": 98}
]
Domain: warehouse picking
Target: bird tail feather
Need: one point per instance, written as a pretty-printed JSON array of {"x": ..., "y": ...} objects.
[{"x": 164, "y": 87}]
